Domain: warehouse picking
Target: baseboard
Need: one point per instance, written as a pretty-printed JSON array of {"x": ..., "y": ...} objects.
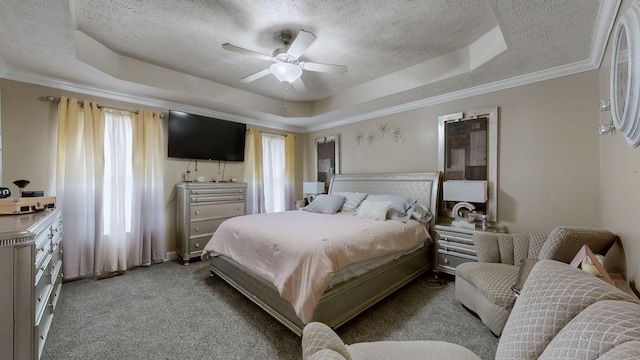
[{"x": 171, "y": 255}]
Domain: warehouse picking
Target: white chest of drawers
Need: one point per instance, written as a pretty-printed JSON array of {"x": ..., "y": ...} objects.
[
  {"x": 30, "y": 279},
  {"x": 201, "y": 208}
]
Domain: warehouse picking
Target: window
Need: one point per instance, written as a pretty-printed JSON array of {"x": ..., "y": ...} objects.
[
  {"x": 273, "y": 161},
  {"x": 117, "y": 193}
]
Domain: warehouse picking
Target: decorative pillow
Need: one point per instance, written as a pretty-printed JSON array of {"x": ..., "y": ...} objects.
[
  {"x": 421, "y": 212},
  {"x": 401, "y": 206},
  {"x": 325, "y": 204},
  {"x": 374, "y": 210},
  {"x": 353, "y": 200}
]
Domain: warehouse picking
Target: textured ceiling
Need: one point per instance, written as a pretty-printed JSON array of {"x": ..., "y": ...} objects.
[{"x": 169, "y": 52}]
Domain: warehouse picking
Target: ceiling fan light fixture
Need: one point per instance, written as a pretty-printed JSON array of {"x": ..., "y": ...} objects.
[{"x": 286, "y": 72}]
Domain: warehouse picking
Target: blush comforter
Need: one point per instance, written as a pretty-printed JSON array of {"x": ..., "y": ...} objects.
[{"x": 299, "y": 251}]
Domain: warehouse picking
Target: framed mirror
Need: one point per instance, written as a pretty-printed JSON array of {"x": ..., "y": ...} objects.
[
  {"x": 327, "y": 158},
  {"x": 468, "y": 150},
  {"x": 625, "y": 75}
]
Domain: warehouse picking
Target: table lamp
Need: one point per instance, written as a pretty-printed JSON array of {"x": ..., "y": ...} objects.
[{"x": 465, "y": 192}]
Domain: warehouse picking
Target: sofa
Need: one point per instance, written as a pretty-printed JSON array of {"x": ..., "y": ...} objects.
[
  {"x": 562, "y": 313},
  {"x": 485, "y": 287}
]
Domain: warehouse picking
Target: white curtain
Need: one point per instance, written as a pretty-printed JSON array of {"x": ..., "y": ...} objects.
[
  {"x": 110, "y": 188},
  {"x": 273, "y": 171},
  {"x": 253, "y": 172},
  {"x": 78, "y": 183},
  {"x": 148, "y": 201}
]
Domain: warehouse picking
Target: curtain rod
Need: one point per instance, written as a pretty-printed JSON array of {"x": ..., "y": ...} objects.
[
  {"x": 270, "y": 133},
  {"x": 53, "y": 98}
]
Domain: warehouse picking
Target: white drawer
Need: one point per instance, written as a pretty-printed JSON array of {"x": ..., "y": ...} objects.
[
  {"x": 448, "y": 262},
  {"x": 216, "y": 210}
]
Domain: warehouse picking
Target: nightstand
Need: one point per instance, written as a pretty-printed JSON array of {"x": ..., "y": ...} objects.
[{"x": 454, "y": 245}]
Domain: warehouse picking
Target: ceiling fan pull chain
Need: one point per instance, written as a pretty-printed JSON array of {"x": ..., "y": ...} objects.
[{"x": 286, "y": 88}]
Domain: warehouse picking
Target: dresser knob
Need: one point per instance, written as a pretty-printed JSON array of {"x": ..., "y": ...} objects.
[
  {"x": 197, "y": 212},
  {"x": 446, "y": 261},
  {"x": 197, "y": 245},
  {"x": 39, "y": 298},
  {"x": 197, "y": 228}
]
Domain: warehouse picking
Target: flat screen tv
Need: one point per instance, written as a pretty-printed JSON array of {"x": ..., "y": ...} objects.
[{"x": 200, "y": 137}]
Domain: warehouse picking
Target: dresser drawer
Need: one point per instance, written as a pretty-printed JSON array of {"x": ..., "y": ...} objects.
[
  {"x": 205, "y": 227},
  {"x": 217, "y": 191},
  {"x": 216, "y": 210},
  {"x": 455, "y": 237},
  {"x": 457, "y": 247},
  {"x": 196, "y": 244},
  {"x": 448, "y": 262}
]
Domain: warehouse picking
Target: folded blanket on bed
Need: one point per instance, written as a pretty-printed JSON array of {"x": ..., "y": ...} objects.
[{"x": 299, "y": 251}]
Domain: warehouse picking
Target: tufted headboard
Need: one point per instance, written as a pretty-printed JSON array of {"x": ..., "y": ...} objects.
[{"x": 421, "y": 186}]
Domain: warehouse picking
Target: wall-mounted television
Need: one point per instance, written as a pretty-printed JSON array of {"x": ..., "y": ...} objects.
[{"x": 200, "y": 137}]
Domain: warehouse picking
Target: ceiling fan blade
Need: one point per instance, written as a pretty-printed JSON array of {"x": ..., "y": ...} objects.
[
  {"x": 255, "y": 76},
  {"x": 301, "y": 43},
  {"x": 298, "y": 85},
  {"x": 243, "y": 51},
  {"x": 325, "y": 68}
]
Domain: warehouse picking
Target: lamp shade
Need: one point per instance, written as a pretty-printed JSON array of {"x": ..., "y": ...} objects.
[
  {"x": 313, "y": 187},
  {"x": 286, "y": 72},
  {"x": 474, "y": 191}
]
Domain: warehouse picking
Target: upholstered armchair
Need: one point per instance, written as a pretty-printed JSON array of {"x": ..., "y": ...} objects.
[
  {"x": 484, "y": 287},
  {"x": 320, "y": 342}
]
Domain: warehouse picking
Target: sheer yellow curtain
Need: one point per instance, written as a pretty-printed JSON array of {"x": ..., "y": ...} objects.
[
  {"x": 289, "y": 171},
  {"x": 150, "y": 243},
  {"x": 79, "y": 182},
  {"x": 253, "y": 172}
]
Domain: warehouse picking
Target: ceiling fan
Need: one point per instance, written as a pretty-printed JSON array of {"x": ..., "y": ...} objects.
[{"x": 287, "y": 66}]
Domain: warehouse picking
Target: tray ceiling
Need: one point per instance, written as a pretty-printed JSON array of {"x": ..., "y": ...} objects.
[{"x": 168, "y": 54}]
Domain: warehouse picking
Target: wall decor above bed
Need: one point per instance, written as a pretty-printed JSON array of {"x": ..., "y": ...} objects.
[{"x": 468, "y": 150}]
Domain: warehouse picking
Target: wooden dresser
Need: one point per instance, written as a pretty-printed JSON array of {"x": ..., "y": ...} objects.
[
  {"x": 30, "y": 279},
  {"x": 201, "y": 208}
]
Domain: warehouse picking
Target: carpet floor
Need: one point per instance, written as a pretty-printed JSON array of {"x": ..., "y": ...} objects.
[{"x": 172, "y": 311}]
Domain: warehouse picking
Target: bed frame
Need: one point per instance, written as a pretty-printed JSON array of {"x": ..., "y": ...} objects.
[{"x": 348, "y": 299}]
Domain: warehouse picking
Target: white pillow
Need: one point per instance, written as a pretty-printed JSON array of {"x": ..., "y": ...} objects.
[
  {"x": 401, "y": 206},
  {"x": 354, "y": 199},
  {"x": 325, "y": 204},
  {"x": 374, "y": 210},
  {"x": 421, "y": 212}
]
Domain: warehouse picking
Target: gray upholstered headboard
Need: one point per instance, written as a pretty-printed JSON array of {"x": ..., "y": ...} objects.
[{"x": 421, "y": 186}]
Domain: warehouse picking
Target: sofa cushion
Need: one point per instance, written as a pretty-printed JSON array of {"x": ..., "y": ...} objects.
[
  {"x": 555, "y": 293},
  {"x": 564, "y": 242},
  {"x": 494, "y": 281},
  {"x": 596, "y": 330}
]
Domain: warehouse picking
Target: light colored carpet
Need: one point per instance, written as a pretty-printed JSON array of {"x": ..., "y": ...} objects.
[{"x": 172, "y": 311}]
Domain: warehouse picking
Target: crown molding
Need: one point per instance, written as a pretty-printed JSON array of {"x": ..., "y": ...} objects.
[
  {"x": 607, "y": 14},
  {"x": 531, "y": 78},
  {"x": 48, "y": 81}
]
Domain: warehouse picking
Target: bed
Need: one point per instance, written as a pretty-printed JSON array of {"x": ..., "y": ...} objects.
[{"x": 341, "y": 301}]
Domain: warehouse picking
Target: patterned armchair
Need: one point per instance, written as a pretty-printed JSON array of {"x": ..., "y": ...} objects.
[
  {"x": 562, "y": 313},
  {"x": 484, "y": 287}
]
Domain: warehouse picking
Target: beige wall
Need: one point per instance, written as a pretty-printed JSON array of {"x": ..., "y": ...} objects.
[
  {"x": 548, "y": 153},
  {"x": 619, "y": 181},
  {"x": 29, "y": 134}
]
